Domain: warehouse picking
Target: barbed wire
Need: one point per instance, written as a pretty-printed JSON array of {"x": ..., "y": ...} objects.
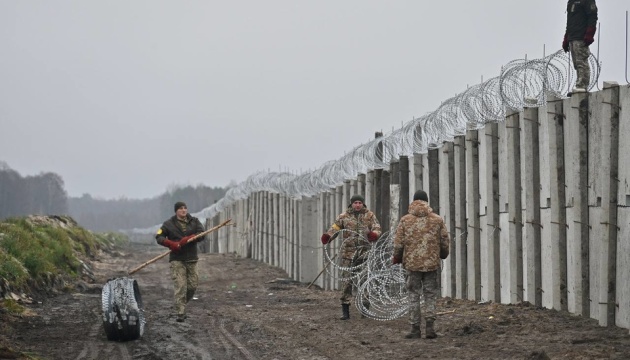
[
  {"x": 381, "y": 286},
  {"x": 521, "y": 83}
]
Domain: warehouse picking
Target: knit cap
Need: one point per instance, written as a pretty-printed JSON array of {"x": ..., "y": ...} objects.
[
  {"x": 420, "y": 195},
  {"x": 178, "y": 205}
]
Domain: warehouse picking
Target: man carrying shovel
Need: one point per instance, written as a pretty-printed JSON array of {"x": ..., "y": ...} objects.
[{"x": 176, "y": 233}]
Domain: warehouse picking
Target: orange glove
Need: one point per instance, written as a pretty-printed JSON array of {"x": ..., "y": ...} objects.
[{"x": 372, "y": 236}]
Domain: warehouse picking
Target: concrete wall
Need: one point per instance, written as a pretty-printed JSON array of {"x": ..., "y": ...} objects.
[{"x": 538, "y": 208}]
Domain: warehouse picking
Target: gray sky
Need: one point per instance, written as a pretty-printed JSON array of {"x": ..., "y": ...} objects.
[{"x": 125, "y": 98}]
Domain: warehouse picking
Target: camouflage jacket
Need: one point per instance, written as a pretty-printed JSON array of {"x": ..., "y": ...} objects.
[
  {"x": 421, "y": 238},
  {"x": 358, "y": 225}
]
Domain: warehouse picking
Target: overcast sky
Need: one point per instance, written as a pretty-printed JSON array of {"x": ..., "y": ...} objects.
[{"x": 126, "y": 98}]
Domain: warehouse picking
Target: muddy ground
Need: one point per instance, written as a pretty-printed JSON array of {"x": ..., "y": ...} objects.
[{"x": 246, "y": 311}]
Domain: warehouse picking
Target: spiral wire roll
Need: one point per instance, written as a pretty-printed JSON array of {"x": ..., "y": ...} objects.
[
  {"x": 521, "y": 83},
  {"x": 123, "y": 314}
]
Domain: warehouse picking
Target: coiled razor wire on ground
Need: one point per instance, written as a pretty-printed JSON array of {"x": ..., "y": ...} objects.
[
  {"x": 521, "y": 83},
  {"x": 123, "y": 314},
  {"x": 381, "y": 292},
  {"x": 380, "y": 287}
]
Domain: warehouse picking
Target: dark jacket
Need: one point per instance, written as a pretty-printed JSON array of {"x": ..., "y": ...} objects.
[
  {"x": 172, "y": 231},
  {"x": 580, "y": 15}
]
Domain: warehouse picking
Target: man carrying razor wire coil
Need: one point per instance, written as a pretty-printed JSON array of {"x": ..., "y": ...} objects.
[{"x": 359, "y": 228}]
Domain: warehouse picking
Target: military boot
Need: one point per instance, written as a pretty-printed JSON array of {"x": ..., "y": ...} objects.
[
  {"x": 415, "y": 332},
  {"x": 345, "y": 310},
  {"x": 429, "y": 329}
]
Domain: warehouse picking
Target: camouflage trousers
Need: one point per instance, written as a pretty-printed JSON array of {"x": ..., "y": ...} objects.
[
  {"x": 346, "y": 285},
  {"x": 580, "y": 54},
  {"x": 185, "y": 281},
  {"x": 423, "y": 291}
]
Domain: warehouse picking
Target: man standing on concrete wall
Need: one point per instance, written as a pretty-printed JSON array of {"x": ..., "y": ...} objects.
[
  {"x": 175, "y": 233},
  {"x": 360, "y": 229},
  {"x": 420, "y": 242},
  {"x": 580, "y": 33}
]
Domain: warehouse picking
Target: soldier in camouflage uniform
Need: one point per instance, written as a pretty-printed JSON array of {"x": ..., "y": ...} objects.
[
  {"x": 580, "y": 33},
  {"x": 421, "y": 240},
  {"x": 362, "y": 229},
  {"x": 175, "y": 233}
]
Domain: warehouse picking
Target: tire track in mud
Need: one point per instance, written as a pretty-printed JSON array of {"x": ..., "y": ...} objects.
[
  {"x": 184, "y": 343},
  {"x": 223, "y": 339},
  {"x": 219, "y": 338},
  {"x": 238, "y": 345},
  {"x": 93, "y": 349}
]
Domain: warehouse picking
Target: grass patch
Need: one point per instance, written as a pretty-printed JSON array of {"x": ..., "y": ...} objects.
[
  {"x": 12, "y": 307},
  {"x": 12, "y": 270},
  {"x": 40, "y": 246}
]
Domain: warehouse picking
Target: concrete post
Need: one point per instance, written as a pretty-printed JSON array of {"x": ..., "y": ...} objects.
[
  {"x": 361, "y": 186},
  {"x": 259, "y": 227},
  {"x": 490, "y": 241},
  {"x": 603, "y": 172},
  {"x": 309, "y": 259},
  {"x": 369, "y": 190},
  {"x": 393, "y": 208},
  {"x": 418, "y": 176},
  {"x": 215, "y": 235},
  {"x": 385, "y": 183},
  {"x": 267, "y": 228},
  {"x": 473, "y": 217},
  {"x": 347, "y": 194},
  {"x": 282, "y": 236},
  {"x": 332, "y": 249},
  {"x": 394, "y": 171},
  {"x": 532, "y": 225},
  {"x": 378, "y": 197},
  {"x": 232, "y": 233},
  {"x": 433, "y": 159},
  {"x": 275, "y": 230},
  {"x": 446, "y": 198},
  {"x": 296, "y": 205},
  {"x": 256, "y": 216},
  {"x": 554, "y": 241},
  {"x": 461, "y": 227},
  {"x": 576, "y": 156},
  {"x": 513, "y": 286},
  {"x": 404, "y": 187},
  {"x": 623, "y": 212},
  {"x": 322, "y": 226}
]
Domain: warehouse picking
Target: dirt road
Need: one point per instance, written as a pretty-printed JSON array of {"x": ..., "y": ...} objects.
[{"x": 248, "y": 310}]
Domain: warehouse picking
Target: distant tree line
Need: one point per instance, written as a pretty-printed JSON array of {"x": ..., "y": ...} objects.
[
  {"x": 40, "y": 194},
  {"x": 121, "y": 214},
  {"x": 45, "y": 194}
]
